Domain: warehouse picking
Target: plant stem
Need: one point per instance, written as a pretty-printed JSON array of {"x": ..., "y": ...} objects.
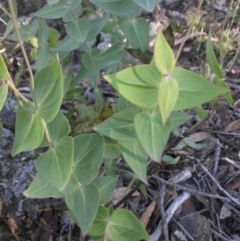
[
  {"x": 16, "y": 91},
  {"x": 21, "y": 43},
  {"x": 46, "y": 131}
]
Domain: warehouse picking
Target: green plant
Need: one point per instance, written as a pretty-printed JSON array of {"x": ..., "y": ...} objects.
[{"x": 150, "y": 106}]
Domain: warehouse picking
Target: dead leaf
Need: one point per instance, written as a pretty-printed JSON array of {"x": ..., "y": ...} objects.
[
  {"x": 225, "y": 212},
  {"x": 12, "y": 225},
  {"x": 235, "y": 125},
  {"x": 236, "y": 185},
  {"x": 120, "y": 192},
  {"x": 148, "y": 213}
]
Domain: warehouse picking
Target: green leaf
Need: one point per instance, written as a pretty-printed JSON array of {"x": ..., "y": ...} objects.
[
  {"x": 88, "y": 155},
  {"x": 111, "y": 56},
  {"x": 124, "y": 226},
  {"x": 53, "y": 37},
  {"x": 192, "y": 144},
  {"x": 43, "y": 58},
  {"x": 67, "y": 44},
  {"x": 52, "y": 2},
  {"x": 152, "y": 134},
  {"x": 111, "y": 150},
  {"x": 83, "y": 205},
  {"x": 147, "y": 5},
  {"x": 58, "y": 127},
  {"x": 123, "y": 104},
  {"x": 48, "y": 91},
  {"x": 167, "y": 96},
  {"x": 100, "y": 223},
  {"x": 178, "y": 118},
  {"x": 78, "y": 30},
  {"x": 41, "y": 189},
  {"x": 192, "y": 85},
  {"x": 8, "y": 30},
  {"x": 55, "y": 165},
  {"x": 3, "y": 82},
  {"x": 106, "y": 187},
  {"x": 55, "y": 11},
  {"x": 29, "y": 131},
  {"x": 120, "y": 126},
  {"x": 42, "y": 31},
  {"x": 136, "y": 32},
  {"x": 73, "y": 4},
  {"x": 163, "y": 55},
  {"x": 227, "y": 95},
  {"x": 26, "y": 32},
  {"x": 90, "y": 64},
  {"x": 201, "y": 113},
  {"x": 169, "y": 160},
  {"x": 95, "y": 26},
  {"x": 137, "y": 84},
  {"x": 212, "y": 60},
  {"x": 136, "y": 158},
  {"x": 117, "y": 7},
  {"x": 73, "y": 14}
]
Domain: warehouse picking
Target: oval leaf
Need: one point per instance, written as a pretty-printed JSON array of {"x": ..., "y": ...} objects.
[
  {"x": 100, "y": 223},
  {"x": 55, "y": 165},
  {"x": 191, "y": 86},
  {"x": 90, "y": 64},
  {"x": 212, "y": 60},
  {"x": 83, "y": 205},
  {"x": 67, "y": 44},
  {"x": 136, "y": 32},
  {"x": 88, "y": 155},
  {"x": 120, "y": 126},
  {"x": 147, "y": 5},
  {"x": 111, "y": 150},
  {"x": 124, "y": 226},
  {"x": 136, "y": 158},
  {"x": 113, "y": 55},
  {"x": 48, "y": 91},
  {"x": 163, "y": 55},
  {"x": 29, "y": 131},
  {"x": 78, "y": 30},
  {"x": 167, "y": 96},
  {"x": 41, "y": 189},
  {"x": 106, "y": 187},
  {"x": 59, "y": 127},
  {"x": 152, "y": 134},
  {"x": 55, "y": 11},
  {"x": 137, "y": 84},
  {"x": 117, "y": 7},
  {"x": 95, "y": 26},
  {"x": 178, "y": 118}
]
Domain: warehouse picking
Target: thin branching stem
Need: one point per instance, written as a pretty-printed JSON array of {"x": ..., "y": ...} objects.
[{"x": 21, "y": 43}]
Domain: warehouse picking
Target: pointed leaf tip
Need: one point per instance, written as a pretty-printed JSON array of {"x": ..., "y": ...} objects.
[
  {"x": 167, "y": 96},
  {"x": 163, "y": 55}
]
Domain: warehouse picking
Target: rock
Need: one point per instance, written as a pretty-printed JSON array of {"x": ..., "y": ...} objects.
[{"x": 196, "y": 225}]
